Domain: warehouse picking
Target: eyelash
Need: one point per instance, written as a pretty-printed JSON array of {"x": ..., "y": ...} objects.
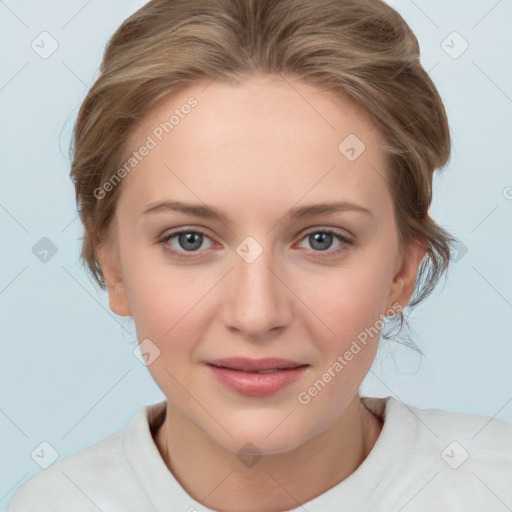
[{"x": 347, "y": 242}]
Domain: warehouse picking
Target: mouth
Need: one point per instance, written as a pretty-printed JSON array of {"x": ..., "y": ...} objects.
[
  {"x": 266, "y": 365},
  {"x": 273, "y": 370},
  {"x": 256, "y": 377}
]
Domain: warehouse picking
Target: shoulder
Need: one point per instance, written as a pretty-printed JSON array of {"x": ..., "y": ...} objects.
[
  {"x": 87, "y": 480},
  {"x": 484, "y": 436},
  {"x": 456, "y": 459},
  {"x": 73, "y": 481}
]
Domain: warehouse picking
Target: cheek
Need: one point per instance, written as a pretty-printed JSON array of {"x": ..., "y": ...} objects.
[
  {"x": 348, "y": 298},
  {"x": 167, "y": 309},
  {"x": 163, "y": 302},
  {"x": 159, "y": 295},
  {"x": 347, "y": 337},
  {"x": 170, "y": 304},
  {"x": 350, "y": 306}
]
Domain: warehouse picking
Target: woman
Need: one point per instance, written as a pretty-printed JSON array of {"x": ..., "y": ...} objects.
[{"x": 254, "y": 179}]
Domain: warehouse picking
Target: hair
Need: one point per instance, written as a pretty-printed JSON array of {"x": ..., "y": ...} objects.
[{"x": 359, "y": 49}]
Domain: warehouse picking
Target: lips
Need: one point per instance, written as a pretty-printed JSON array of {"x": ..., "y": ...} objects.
[
  {"x": 256, "y": 377},
  {"x": 265, "y": 365}
]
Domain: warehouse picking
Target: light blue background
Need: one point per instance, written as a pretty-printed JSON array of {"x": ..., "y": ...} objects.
[{"x": 68, "y": 373}]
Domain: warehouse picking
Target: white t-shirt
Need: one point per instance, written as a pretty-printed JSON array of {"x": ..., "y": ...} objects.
[{"x": 424, "y": 460}]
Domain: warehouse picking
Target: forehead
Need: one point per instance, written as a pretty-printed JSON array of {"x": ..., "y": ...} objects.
[
  {"x": 260, "y": 105},
  {"x": 267, "y": 137}
]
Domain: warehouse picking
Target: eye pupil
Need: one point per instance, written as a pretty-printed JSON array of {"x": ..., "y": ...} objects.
[
  {"x": 320, "y": 238},
  {"x": 185, "y": 238}
]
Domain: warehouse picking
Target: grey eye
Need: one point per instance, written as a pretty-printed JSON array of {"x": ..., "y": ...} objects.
[{"x": 320, "y": 241}]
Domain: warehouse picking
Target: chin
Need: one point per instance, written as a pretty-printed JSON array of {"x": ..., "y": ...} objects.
[{"x": 263, "y": 433}]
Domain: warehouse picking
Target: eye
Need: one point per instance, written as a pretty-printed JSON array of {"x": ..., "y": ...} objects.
[
  {"x": 187, "y": 240},
  {"x": 321, "y": 241},
  {"x": 191, "y": 241}
]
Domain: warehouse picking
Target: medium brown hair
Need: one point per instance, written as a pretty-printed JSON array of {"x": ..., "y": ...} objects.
[{"x": 361, "y": 49}]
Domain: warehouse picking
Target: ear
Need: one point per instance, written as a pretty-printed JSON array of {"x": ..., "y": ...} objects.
[
  {"x": 108, "y": 258},
  {"x": 404, "y": 280}
]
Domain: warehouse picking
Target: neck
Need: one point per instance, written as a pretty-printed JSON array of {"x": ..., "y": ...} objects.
[{"x": 215, "y": 477}]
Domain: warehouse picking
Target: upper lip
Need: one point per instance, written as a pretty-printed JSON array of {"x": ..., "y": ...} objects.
[{"x": 248, "y": 365}]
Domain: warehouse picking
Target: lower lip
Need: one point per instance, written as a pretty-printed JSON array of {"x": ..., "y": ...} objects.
[{"x": 256, "y": 384}]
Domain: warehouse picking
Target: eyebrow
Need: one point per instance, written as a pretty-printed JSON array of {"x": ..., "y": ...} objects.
[{"x": 209, "y": 212}]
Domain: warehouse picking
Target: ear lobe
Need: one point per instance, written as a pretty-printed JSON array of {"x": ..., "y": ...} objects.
[
  {"x": 404, "y": 280},
  {"x": 111, "y": 269}
]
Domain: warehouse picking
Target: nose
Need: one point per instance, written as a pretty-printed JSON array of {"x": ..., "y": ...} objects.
[{"x": 256, "y": 298}]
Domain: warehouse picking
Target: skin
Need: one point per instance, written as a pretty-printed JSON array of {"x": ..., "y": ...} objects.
[{"x": 254, "y": 151}]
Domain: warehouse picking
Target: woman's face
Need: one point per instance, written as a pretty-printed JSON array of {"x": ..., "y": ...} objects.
[{"x": 262, "y": 280}]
